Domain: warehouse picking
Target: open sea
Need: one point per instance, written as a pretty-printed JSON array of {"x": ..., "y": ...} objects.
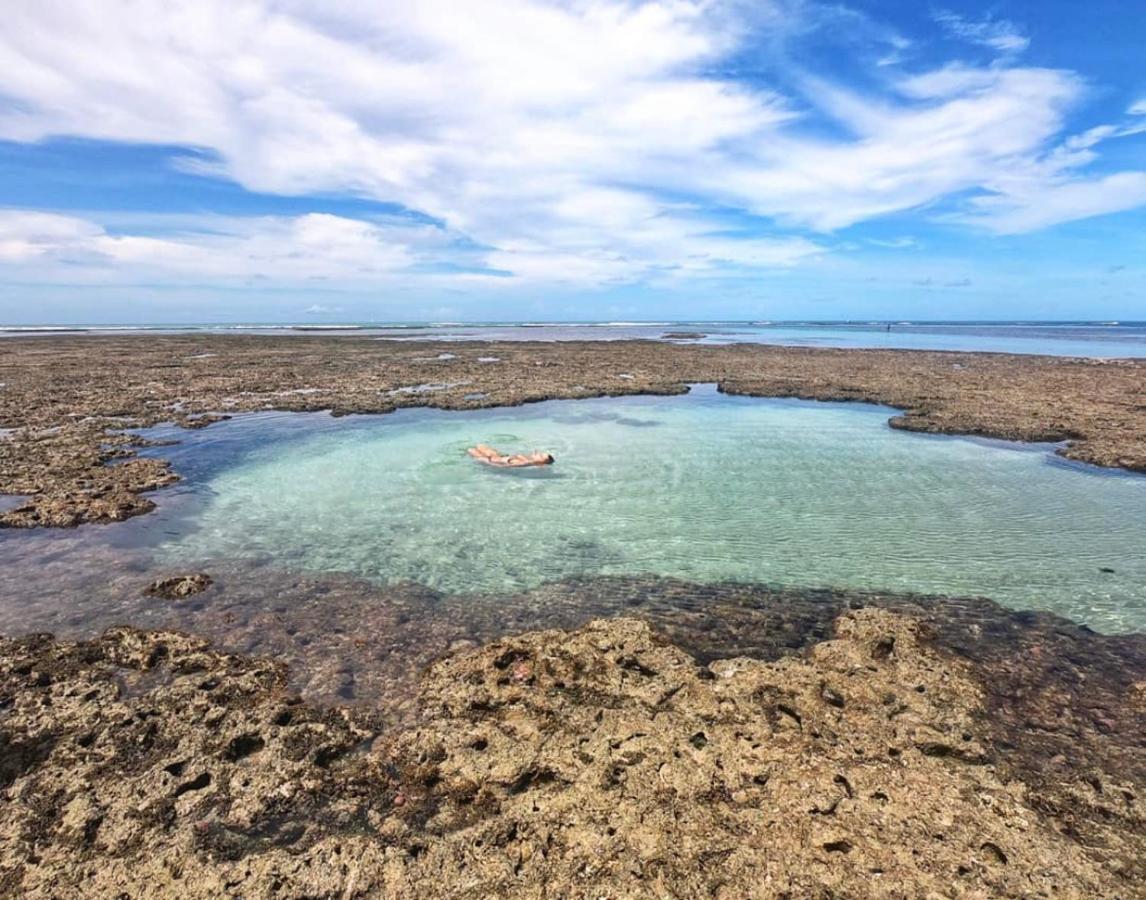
[{"x": 1084, "y": 339}]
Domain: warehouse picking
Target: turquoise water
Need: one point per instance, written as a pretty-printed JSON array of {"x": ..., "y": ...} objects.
[{"x": 704, "y": 487}]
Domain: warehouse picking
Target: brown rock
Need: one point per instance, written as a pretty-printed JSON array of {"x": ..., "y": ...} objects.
[
  {"x": 598, "y": 762},
  {"x": 178, "y": 587}
]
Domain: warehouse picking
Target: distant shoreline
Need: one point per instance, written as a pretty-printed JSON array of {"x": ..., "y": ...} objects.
[{"x": 1090, "y": 339}]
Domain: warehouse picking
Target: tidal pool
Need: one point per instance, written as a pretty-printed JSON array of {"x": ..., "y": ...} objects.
[{"x": 703, "y": 487}]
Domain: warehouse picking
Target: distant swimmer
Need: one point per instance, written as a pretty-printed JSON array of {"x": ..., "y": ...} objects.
[{"x": 485, "y": 454}]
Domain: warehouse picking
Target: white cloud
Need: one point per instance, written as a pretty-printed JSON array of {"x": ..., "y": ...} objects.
[
  {"x": 286, "y": 249},
  {"x": 1050, "y": 189},
  {"x": 503, "y": 118},
  {"x": 25, "y": 236},
  {"x": 901, "y": 243},
  {"x": 348, "y": 252},
  {"x": 1042, "y": 204},
  {"x": 590, "y": 142},
  {"x": 996, "y": 34},
  {"x": 948, "y": 81},
  {"x": 1138, "y": 108},
  {"x": 900, "y": 157}
]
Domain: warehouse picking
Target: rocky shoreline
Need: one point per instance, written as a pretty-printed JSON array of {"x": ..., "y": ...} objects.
[
  {"x": 65, "y": 400},
  {"x": 600, "y": 762}
]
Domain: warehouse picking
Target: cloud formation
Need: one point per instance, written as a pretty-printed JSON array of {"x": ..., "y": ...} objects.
[
  {"x": 996, "y": 34},
  {"x": 585, "y": 142},
  {"x": 291, "y": 249}
]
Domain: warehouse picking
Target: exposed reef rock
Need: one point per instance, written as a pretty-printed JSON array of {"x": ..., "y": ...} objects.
[
  {"x": 178, "y": 587},
  {"x": 600, "y": 762},
  {"x": 67, "y": 396},
  {"x": 77, "y": 473}
]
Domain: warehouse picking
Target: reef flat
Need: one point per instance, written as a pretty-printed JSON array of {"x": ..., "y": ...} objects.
[
  {"x": 277, "y": 734},
  {"x": 65, "y": 400},
  {"x": 606, "y": 761}
]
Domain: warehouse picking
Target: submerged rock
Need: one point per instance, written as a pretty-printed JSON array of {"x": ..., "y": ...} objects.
[
  {"x": 179, "y": 586},
  {"x": 599, "y": 762}
]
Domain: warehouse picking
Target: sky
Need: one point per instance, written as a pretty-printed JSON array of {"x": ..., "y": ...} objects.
[{"x": 558, "y": 160}]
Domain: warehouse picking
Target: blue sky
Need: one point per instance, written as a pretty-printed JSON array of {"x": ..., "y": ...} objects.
[{"x": 243, "y": 160}]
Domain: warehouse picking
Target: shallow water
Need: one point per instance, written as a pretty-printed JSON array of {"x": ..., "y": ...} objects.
[
  {"x": 703, "y": 487},
  {"x": 308, "y": 525},
  {"x": 1104, "y": 341},
  {"x": 1086, "y": 339}
]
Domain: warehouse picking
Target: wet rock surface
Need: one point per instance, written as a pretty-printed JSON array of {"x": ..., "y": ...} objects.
[
  {"x": 67, "y": 397},
  {"x": 605, "y": 761},
  {"x": 178, "y": 587}
]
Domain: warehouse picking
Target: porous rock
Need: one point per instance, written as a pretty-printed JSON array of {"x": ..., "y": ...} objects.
[
  {"x": 178, "y": 587},
  {"x": 599, "y": 762}
]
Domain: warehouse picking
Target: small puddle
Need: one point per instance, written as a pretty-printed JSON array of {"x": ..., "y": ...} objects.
[
  {"x": 426, "y": 388},
  {"x": 11, "y": 501}
]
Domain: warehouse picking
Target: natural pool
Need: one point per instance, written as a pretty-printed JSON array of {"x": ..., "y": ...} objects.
[{"x": 703, "y": 487}]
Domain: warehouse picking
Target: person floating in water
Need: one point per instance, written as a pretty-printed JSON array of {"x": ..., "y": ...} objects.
[{"x": 491, "y": 457}]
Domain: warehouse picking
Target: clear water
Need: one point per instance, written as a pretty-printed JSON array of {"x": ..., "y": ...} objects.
[{"x": 704, "y": 487}]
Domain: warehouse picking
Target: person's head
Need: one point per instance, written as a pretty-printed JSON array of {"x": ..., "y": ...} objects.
[{"x": 545, "y": 458}]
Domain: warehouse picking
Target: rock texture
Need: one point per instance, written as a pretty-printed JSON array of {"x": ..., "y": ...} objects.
[
  {"x": 604, "y": 762},
  {"x": 179, "y": 587},
  {"x": 67, "y": 396}
]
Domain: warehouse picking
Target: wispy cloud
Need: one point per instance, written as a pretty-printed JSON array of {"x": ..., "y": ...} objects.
[
  {"x": 996, "y": 34},
  {"x": 1043, "y": 203},
  {"x": 901, "y": 243},
  {"x": 1051, "y": 188}
]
